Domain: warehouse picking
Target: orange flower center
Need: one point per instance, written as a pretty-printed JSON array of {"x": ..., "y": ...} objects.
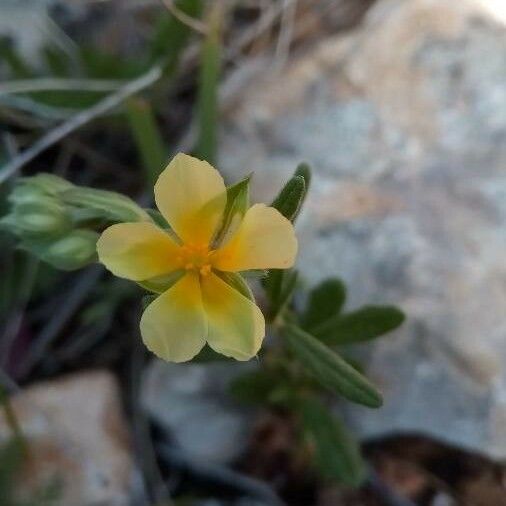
[{"x": 196, "y": 257}]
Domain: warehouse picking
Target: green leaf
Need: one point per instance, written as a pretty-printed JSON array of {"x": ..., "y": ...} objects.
[
  {"x": 235, "y": 209},
  {"x": 18, "y": 67},
  {"x": 304, "y": 170},
  {"x": 207, "y": 100},
  {"x": 170, "y": 35},
  {"x": 361, "y": 325},
  {"x": 290, "y": 198},
  {"x": 330, "y": 369},
  {"x": 337, "y": 453},
  {"x": 147, "y": 137},
  {"x": 57, "y": 61},
  {"x": 325, "y": 301},
  {"x": 101, "y": 64}
]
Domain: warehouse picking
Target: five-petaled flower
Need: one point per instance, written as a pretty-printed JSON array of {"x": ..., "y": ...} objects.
[{"x": 201, "y": 306}]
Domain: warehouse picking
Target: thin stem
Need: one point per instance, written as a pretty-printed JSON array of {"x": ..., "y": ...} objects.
[
  {"x": 55, "y": 84},
  {"x": 11, "y": 419}
]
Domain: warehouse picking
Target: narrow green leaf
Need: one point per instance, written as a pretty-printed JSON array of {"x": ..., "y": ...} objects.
[
  {"x": 337, "y": 453},
  {"x": 330, "y": 369},
  {"x": 170, "y": 36},
  {"x": 102, "y": 64},
  {"x": 147, "y": 137},
  {"x": 361, "y": 325},
  {"x": 12, "y": 59},
  {"x": 57, "y": 61},
  {"x": 207, "y": 100},
  {"x": 290, "y": 198},
  {"x": 325, "y": 301},
  {"x": 304, "y": 170}
]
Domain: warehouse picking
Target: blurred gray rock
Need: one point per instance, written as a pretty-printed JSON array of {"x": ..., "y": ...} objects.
[
  {"x": 77, "y": 438},
  {"x": 193, "y": 403},
  {"x": 404, "y": 122}
]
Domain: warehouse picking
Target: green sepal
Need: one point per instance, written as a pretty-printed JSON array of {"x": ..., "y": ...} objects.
[
  {"x": 332, "y": 371},
  {"x": 112, "y": 206},
  {"x": 46, "y": 183},
  {"x": 325, "y": 301},
  {"x": 160, "y": 284},
  {"x": 336, "y": 452},
  {"x": 207, "y": 354},
  {"x": 237, "y": 282},
  {"x": 236, "y": 207},
  {"x": 361, "y": 325},
  {"x": 147, "y": 300},
  {"x": 70, "y": 252}
]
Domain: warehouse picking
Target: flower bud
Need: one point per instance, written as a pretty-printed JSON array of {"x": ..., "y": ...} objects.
[
  {"x": 41, "y": 217},
  {"x": 47, "y": 183},
  {"x": 77, "y": 249}
]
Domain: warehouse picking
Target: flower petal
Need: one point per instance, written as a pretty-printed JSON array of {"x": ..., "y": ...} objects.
[
  {"x": 264, "y": 240},
  {"x": 236, "y": 326},
  {"x": 192, "y": 196},
  {"x": 137, "y": 251},
  {"x": 174, "y": 325}
]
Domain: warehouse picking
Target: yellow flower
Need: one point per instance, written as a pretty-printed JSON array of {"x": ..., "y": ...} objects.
[{"x": 200, "y": 306}]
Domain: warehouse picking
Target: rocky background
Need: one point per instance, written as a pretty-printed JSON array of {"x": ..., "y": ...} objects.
[{"x": 400, "y": 108}]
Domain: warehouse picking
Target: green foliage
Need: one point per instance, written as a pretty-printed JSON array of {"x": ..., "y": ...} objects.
[
  {"x": 325, "y": 301},
  {"x": 290, "y": 198},
  {"x": 147, "y": 137},
  {"x": 170, "y": 35},
  {"x": 361, "y": 325},
  {"x": 58, "y": 222},
  {"x": 236, "y": 281},
  {"x": 73, "y": 250},
  {"x": 337, "y": 453},
  {"x": 207, "y": 100},
  {"x": 237, "y": 205},
  {"x": 333, "y": 372}
]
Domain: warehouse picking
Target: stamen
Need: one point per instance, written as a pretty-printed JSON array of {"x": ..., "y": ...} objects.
[{"x": 205, "y": 270}]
